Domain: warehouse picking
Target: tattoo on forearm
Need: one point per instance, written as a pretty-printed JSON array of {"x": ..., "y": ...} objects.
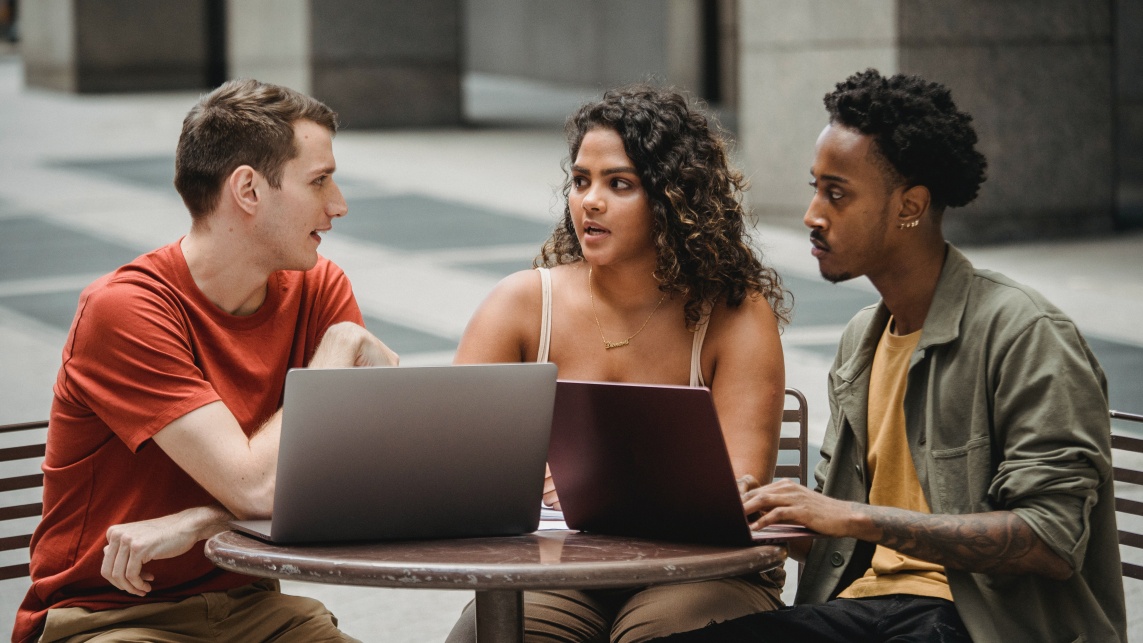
[{"x": 997, "y": 542}]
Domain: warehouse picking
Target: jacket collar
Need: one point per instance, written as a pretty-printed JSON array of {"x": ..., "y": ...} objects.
[{"x": 942, "y": 323}]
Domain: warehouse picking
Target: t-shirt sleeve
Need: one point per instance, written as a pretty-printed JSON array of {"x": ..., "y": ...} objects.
[
  {"x": 335, "y": 301},
  {"x": 130, "y": 360}
]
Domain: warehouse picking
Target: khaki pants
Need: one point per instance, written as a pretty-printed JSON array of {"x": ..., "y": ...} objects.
[
  {"x": 256, "y": 612},
  {"x": 635, "y": 614}
]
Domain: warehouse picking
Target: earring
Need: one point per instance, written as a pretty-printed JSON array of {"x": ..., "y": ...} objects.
[{"x": 912, "y": 224}]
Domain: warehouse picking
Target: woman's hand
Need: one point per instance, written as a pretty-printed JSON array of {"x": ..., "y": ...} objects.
[
  {"x": 550, "y": 497},
  {"x": 746, "y": 484}
]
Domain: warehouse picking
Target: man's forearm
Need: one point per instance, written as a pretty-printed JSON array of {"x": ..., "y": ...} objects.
[
  {"x": 346, "y": 345},
  {"x": 998, "y": 542},
  {"x": 206, "y": 521},
  {"x": 132, "y": 545}
]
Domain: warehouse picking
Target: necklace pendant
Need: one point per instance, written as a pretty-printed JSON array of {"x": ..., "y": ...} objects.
[{"x": 611, "y": 345}]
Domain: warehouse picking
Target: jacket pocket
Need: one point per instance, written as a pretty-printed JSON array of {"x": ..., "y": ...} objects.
[{"x": 960, "y": 477}]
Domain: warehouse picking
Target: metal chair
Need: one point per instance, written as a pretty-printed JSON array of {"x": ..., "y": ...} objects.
[
  {"x": 796, "y": 415},
  {"x": 17, "y": 489},
  {"x": 1128, "y": 481}
]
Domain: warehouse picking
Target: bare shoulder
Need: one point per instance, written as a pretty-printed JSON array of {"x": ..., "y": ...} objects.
[
  {"x": 502, "y": 327},
  {"x": 517, "y": 295},
  {"x": 564, "y": 275},
  {"x": 744, "y": 339},
  {"x": 751, "y": 321}
]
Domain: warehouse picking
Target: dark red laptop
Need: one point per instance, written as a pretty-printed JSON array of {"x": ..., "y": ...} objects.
[{"x": 648, "y": 461}]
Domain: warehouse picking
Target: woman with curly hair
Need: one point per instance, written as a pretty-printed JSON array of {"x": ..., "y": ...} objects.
[{"x": 648, "y": 278}]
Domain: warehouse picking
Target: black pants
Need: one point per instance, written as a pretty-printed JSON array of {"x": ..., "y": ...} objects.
[{"x": 899, "y": 618}]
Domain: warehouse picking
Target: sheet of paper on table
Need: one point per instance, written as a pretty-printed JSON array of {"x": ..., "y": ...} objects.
[{"x": 551, "y": 519}]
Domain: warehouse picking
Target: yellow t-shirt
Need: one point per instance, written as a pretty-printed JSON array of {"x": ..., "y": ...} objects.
[{"x": 894, "y": 476}]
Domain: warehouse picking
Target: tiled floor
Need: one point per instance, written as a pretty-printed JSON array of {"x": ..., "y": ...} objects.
[{"x": 436, "y": 218}]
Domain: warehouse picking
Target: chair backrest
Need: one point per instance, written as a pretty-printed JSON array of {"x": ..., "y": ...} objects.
[
  {"x": 1127, "y": 461},
  {"x": 796, "y": 416},
  {"x": 20, "y": 492}
]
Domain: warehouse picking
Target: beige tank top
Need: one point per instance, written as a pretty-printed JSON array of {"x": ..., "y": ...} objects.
[{"x": 546, "y": 331}]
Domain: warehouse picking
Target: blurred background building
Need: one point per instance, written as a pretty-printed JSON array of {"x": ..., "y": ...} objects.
[{"x": 1056, "y": 86}]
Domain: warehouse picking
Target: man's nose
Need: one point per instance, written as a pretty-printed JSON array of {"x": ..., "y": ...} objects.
[
  {"x": 337, "y": 205},
  {"x": 811, "y": 218}
]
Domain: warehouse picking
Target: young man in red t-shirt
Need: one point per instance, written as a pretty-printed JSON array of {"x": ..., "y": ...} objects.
[{"x": 166, "y": 415}]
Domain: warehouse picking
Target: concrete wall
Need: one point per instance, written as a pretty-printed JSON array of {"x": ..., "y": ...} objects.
[
  {"x": 1035, "y": 74},
  {"x": 269, "y": 40},
  {"x": 392, "y": 63},
  {"x": 728, "y": 52},
  {"x": 386, "y": 63},
  {"x": 791, "y": 55},
  {"x": 683, "y": 44},
  {"x": 1129, "y": 111},
  {"x": 116, "y": 45},
  {"x": 378, "y": 64},
  {"x": 47, "y": 44},
  {"x": 595, "y": 43}
]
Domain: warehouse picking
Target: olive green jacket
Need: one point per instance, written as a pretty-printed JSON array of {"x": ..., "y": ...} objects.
[{"x": 1005, "y": 409}]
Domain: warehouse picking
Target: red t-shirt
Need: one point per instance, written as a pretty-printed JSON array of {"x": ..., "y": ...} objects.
[{"x": 147, "y": 347}]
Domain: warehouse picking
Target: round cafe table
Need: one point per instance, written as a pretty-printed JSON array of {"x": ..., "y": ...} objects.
[{"x": 498, "y": 569}]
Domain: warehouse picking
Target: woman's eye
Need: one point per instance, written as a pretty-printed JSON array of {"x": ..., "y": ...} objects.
[
  {"x": 621, "y": 184},
  {"x": 834, "y": 195},
  {"x": 579, "y": 181}
]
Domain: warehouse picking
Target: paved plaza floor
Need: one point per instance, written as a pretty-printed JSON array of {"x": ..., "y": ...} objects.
[{"x": 436, "y": 219}]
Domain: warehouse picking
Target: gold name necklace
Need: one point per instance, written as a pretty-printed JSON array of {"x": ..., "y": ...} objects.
[{"x": 620, "y": 344}]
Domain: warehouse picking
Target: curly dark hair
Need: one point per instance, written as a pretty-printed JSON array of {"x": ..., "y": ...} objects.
[
  {"x": 918, "y": 131},
  {"x": 695, "y": 197}
]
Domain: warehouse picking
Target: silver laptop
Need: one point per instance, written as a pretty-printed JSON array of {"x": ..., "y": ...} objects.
[
  {"x": 410, "y": 452},
  {"x": 648, "y": 461}
]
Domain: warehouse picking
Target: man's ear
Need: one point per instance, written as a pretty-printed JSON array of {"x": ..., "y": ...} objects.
[
  {"x": 245, "y": 186},
  {"x": 915, "y": 202}
]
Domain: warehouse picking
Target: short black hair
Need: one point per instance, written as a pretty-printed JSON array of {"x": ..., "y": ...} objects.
[{"x": 918, "y": 130}]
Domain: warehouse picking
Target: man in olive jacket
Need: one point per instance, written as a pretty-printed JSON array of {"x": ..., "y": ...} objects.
[{"x": 965, "y": 487}]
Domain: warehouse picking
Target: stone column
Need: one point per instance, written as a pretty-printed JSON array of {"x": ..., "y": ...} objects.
[
  {"x": 118, "y": 45},
  {"x": 588, "y": 43},
  {"x": 378, "y": 63},
  {"x": 791, "y": 54},
  {"x": 1129, "y": 111},
  {"x": 269, "y": 40},
  {"x": 1036, "y": 76},
  {"x": 389, "y": 63}
]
